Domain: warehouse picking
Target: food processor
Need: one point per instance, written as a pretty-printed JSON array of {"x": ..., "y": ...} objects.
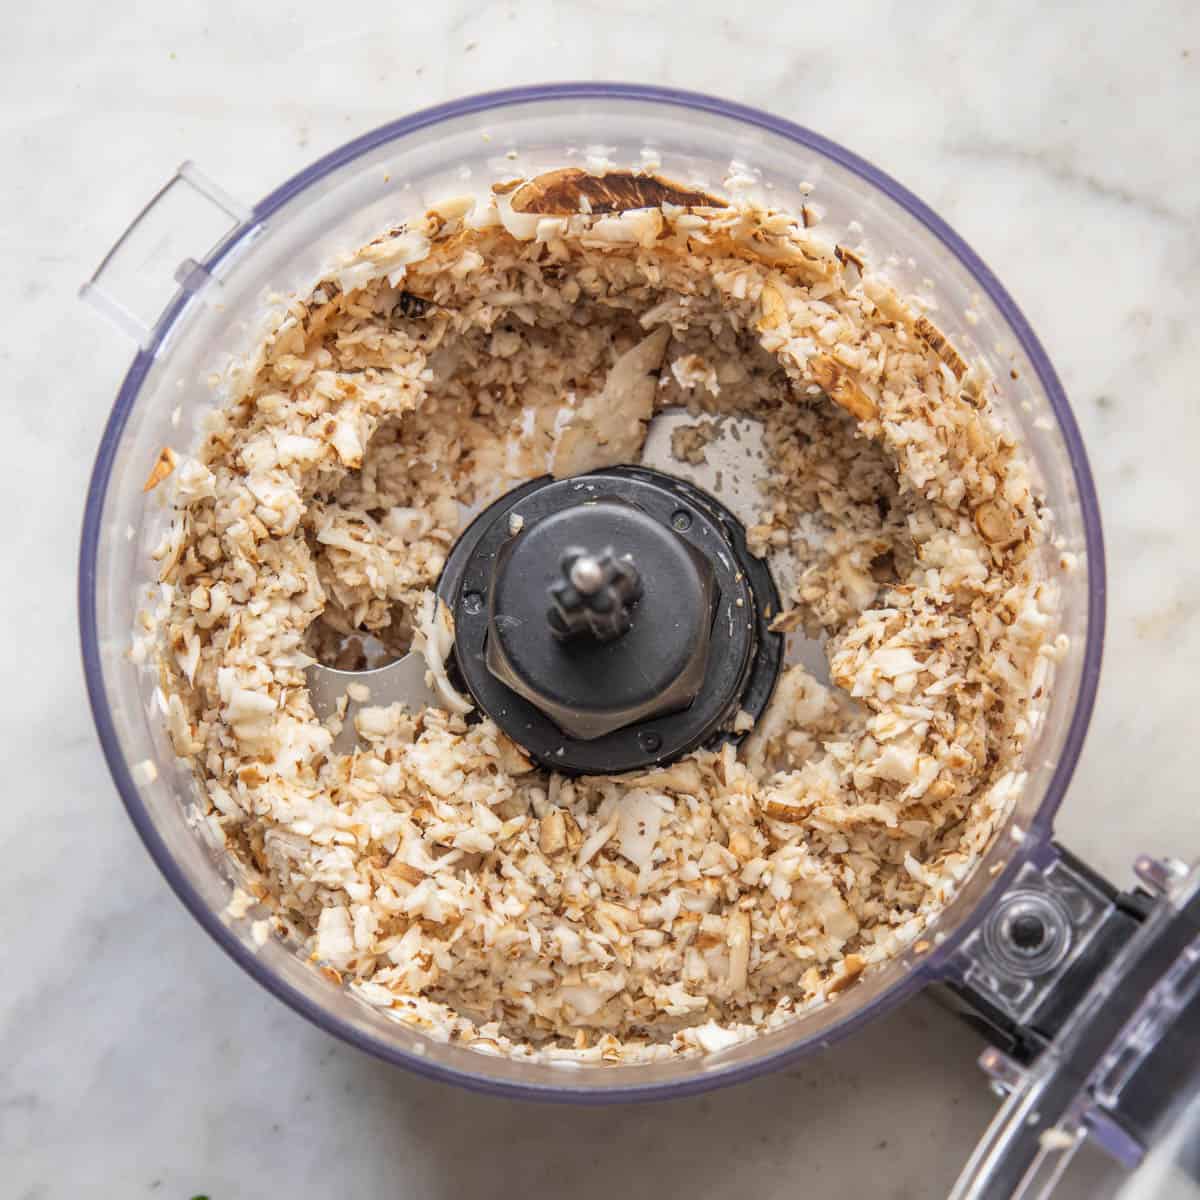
[{"x": 1087, "y": 994}]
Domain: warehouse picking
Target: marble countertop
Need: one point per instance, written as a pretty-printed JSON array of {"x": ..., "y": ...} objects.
[{"x": 1059, "y": 140}]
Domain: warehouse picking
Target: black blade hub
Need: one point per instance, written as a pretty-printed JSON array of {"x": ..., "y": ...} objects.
[{"x": 611, "y": 621}]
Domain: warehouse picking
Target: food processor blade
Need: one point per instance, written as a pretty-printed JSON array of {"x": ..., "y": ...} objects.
[
  {"x": 722, "y": 457},
  {"x": 399, "y": 682}
]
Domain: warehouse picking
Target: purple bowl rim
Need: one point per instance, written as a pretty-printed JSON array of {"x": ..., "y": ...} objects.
[{"x": 696, "y": 102}]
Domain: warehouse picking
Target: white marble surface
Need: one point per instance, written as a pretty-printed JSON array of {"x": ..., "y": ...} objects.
[{"x": 1061, "y": 140}]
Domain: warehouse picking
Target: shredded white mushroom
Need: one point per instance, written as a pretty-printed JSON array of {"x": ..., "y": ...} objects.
[{"x": 679, "y": 910}]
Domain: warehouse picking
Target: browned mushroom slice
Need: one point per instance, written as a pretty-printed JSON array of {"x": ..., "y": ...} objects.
[
  {"x": 839, "y": 385},
  {"x": 846, "y": 256},
  {"x": 995, "y": 524},
  {"x": 559, "y": 193},
  {"x": 164, "y": 464},
  {"x": 937, "y": 341}
]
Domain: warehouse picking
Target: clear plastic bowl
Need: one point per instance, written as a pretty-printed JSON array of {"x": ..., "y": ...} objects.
[{"x": 281, "y": 244}]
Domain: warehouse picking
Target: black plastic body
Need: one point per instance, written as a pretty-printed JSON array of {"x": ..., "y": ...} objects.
[
  {"x": 1104, "y": 1042},
  {"x": 1024, "y": 1041}
]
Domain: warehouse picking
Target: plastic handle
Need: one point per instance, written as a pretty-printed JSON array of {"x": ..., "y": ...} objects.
[{"x": 150, "y": 262}]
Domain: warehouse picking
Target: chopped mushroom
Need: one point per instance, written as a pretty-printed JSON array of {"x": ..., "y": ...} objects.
[
  {"x": 434, "y": 871},
  {"x": 609, "y": 428}
]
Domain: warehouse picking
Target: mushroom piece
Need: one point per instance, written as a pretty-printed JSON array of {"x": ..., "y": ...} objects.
[{"x": 609, "y": 427}]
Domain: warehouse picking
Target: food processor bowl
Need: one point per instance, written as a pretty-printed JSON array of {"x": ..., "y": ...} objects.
[{"x": 190, "y": 309}]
